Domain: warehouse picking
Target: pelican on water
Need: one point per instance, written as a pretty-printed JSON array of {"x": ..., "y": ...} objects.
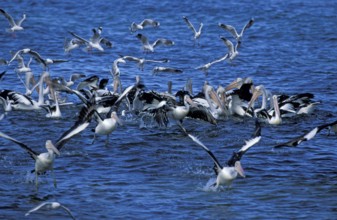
[{"x": 226, "y": 174}]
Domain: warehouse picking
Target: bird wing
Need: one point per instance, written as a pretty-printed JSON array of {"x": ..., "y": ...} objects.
[
  {"x": 131, "y": 58},
  {"x": 254, "y": 140},
  {"x": 23, "y": 18},
  {"x": 15, "y": 56},
  {"x": 189, "y": 24},
  {"x": 78, "y": 37},
  {"x": 32, "y": 153},
  {"x": 229, "y": 44},
  {"x": 162, "y": 41},
  {"x": 248, "y": 25},
  {"x": 197, "y": 141},
  {"x": 230, "y": 28},
  {"x": 8, "y": 16},
  {"x": 106, "y": 42},
  {"x": 220, "y": 59},
  {"x": 37, "y": 207},
  {"x": 143, "y": 39},
  {"x": 68, "y": 211},
  {"x": 146, "y": 22}
]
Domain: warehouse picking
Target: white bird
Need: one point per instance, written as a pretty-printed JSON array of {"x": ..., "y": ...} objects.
[
  {"x": 206, "y": 67},
  {"x": 197, "y": 34},
  {"x": 115, "y": 69},
  {"x": 225, "y": 175},
  {"x": 161, "y": 69},
  {"x": 146, "y": 22},
  {"x": 232, "y": 51},
  {"x": 14, "y": 26},
  {"x": 95, "y": 41},
  {"x": 72, "y": 44},
  {"x": 45, "y": 161},
  {"x": 141, "y": 61},
  {"x": 150, "y": 47},
  {"x": 72, "y": 79},
  {"x": 50, "y": 205},
  {"x": 275, "y": 119},
  {"x": 232, "y": 30}
]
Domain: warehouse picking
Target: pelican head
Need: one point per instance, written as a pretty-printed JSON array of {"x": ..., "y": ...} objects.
[{"x": 51, "y": 148}]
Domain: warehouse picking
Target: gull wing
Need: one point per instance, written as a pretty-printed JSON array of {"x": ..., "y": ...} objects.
[
  {"x": 78, "y": 37},
  {"x": 23, "y": 18},
  {"x": 8, "y": 16},
  {"x": 248, "y": 25},
  {"x": 189, "y": 24},
  {"x": 229, "y": 28},
  {"x": 38, "y": 207},
  {"x": 32, "y": 153},
  {"x": 163, "y": 41},
  {"x": 229, "y": 44}
]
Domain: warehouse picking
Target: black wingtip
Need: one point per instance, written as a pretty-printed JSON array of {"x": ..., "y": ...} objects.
[{"x": 258, "y": 129}]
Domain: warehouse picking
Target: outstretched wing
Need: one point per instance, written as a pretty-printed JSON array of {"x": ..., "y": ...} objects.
[
  {"x": 248, "y": 25},
  {"x": 189, "y": 24},
  {"x": 32, "y": 153},
  {"x": 8, "y": 16},
  {"x": 229, "y": 28},
  {"x": 198, "y": 142}
]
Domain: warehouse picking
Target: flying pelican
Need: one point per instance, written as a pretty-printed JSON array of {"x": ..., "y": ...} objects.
[
  {"x": 146, "y": 22},
  {"x": 14, "y": 26},
  {"x": 233, "y": 31},
  {"x": 95, "y": 41},
  {"x": 197, "y": 34},
  {"x": 141, "y": 61},
  {"x": 45, "y": 161},
  {"x": 50, "y": 205},
  {"x": 150, "y": 47},
  {"x": 307, "y": 136},
  {"x": 225, "y": 175}
]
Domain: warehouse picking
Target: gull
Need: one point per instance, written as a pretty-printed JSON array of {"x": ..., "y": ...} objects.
[
  {"x": 233, "y": 31},
  {"x": 72, "y": 79},
  {"x": 50, "y": 205},
  {"x": 45, "y": 161},
  {"x": 205, "y": 67},
  {"x": 14, "y": 26},
  {"x": 146, "y": 22},
  {"x": 307, "y": 136},
  {"x": 225, "y": 175},
  {"x": 36, "y": 56},
  {"x": 150, "y": 47},
  {"x": 140, "y": 61},
  {"x": 115, "y": 69},
  {"x": 196, "y": 33},
  {"x": 232, "y": 51},
  {"x": 95, "y": 41},
  {"x": 72, "y": 44},
  {"x": 159, "y": 69}
]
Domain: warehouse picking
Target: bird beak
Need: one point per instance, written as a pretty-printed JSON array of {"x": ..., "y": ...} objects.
[
  {"x": 119, "y": 121},
  {"x": 50, "y": 145},
  {"x": 239, "y": 169},
  {"x": 256, "y": 94},
  {"x": 190, "y": 101}
]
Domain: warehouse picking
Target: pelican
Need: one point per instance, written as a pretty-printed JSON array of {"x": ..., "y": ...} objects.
[
  {"x": 14, "y": 26},
  {"x": 205, "y": 67},
  {"x": 197, "y": 34},
  {"x": 146, "y": 22},
  {"x": 226, "y": 174},
  {"x": 95, "y": 41},
  {"x": 307, "y": 136},
  {"x": 275, "y": 119},
  {"x": 45, "y": 161},
  {"x": 233, "y": 31},
  {"x": 50, "y": 205},
  {"x": 161, "y": 69},
  {"x": 150, "y": 47},
  {"x": 141, "y": 61},
  {"x": 232, "y": 51}
]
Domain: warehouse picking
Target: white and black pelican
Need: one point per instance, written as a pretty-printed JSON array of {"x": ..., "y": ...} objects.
[
  {"x": 14, "y": 26},
  {"x": 146, "y": 22},
  {"x": 150, "y": 47},
  {"x": 45, "y": 161},
  {"x": 196, "y": 33},
  {"x": 232, "y": 30},
  {"x": 307, "y": 136},
  {"x": 50, "y": 205},
  {"x": 226, "y": 174}
]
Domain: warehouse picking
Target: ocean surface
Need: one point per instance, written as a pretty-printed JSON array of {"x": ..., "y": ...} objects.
[{"x": 146, "y": 172}]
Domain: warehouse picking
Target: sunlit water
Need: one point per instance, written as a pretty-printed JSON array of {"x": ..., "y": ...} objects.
[{"x": 146, "y": 172}]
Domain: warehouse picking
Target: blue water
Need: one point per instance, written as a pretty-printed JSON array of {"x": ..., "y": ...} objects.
[{"x": 146, "y": 172}]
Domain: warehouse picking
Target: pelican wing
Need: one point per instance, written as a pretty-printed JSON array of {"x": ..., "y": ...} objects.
[
  {"x": 32, "y": 153},
  {"x": 198, "y": 142}
]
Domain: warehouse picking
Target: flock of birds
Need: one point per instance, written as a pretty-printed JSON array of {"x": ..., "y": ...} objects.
[{"x": 240, "y": 98}]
